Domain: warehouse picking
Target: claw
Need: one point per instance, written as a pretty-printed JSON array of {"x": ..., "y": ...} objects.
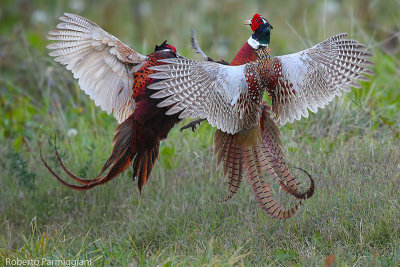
[{"x": 192, "y": 124}]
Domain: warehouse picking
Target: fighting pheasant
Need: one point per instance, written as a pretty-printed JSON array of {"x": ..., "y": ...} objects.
[
  {"x": 230, "y": 152},
  {"x": 116, "y": 78},
  {"x": 229, "y": 97}
]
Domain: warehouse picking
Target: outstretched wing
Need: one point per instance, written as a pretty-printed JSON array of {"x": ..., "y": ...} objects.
[
  {"x": 102, "y": 63},
  {"x": 208, "y": 90},
  {"x": 310, "y": 79}
]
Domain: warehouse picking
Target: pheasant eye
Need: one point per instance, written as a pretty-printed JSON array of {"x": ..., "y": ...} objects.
[{"x": 254, "y": 26}]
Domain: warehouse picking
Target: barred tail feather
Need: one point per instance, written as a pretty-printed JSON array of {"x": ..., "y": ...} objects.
[
  {"x": 261, "y": 190},
  {"x": 276, "y": 166},
  {"x": 242, "y": 154},
  {"x": 230, "y": 154},
  {"x": 268, "y": 203}
]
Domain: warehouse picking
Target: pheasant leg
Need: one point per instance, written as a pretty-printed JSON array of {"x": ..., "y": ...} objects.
[{"x": 192, "y": 124}]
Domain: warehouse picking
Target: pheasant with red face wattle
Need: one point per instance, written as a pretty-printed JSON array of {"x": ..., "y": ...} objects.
[
  {"x": 116, "y": 78},
  {"x": 230, "y": 152},
  {"x": 229, "y": 97}
]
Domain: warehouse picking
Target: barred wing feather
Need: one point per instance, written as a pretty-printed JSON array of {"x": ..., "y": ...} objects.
[
  {"x": 207, "y": 90},
  {"x": 102, "y": 63},
  {"x": 310, "y": 79}
]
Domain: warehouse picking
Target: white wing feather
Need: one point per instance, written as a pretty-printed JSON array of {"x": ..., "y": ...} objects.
[
  {"x": 102, "y": 64},
  {"x": 311, "y": 78},
  {"x": 207, "y": 90}
]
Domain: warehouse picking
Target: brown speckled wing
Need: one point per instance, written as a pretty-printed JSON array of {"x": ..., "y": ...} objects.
[
  {"x": 310, "y": 79},
  {"x": 208, "y": 90}
]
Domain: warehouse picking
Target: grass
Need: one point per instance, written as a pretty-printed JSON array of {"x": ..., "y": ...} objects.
[
  {"x": 351, "y": 148},
  {"x": 353, "y": 215}
]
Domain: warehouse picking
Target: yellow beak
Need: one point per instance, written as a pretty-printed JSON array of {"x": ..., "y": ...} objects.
[{"x": 247, "y": 22}]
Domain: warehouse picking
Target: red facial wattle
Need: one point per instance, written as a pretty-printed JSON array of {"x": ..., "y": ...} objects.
[
  {"x": 256, "y": 21},
  {"x": 171, "y": 47}
]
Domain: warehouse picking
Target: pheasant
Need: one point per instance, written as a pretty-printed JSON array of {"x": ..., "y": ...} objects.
[
  {"x": 231, "y": 155},
  {"x": 229, "y": 97},
  {"x": 116, "y": 78}
]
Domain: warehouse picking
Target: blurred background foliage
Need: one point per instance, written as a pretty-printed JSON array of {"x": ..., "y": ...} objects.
[
  {"x": 39, "y": 98},
  {"x": 32, "y": 85}
]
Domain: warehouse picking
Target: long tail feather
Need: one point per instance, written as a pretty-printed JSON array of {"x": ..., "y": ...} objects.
[
  {"x": 122, "y": 154},
  {"x": 293, "y": 191},
  {"x": 262, "y": 191},
  {"x": 272, "y": 149},
  {"x": 235, "y": 152},
  {"x": 83, "y": 187},
  {"x": 230, "y": 153},
  {"x": 143, "y": 165},
  {"x": 68, "y": 172}
]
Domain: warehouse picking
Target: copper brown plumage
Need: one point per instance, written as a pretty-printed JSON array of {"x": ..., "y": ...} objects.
[
  {"x": 235, "y": 151},
  {"x": 116, "y": 77},
  {"x": 247, "y": 141},
  {"x": 229, "y": 98}
]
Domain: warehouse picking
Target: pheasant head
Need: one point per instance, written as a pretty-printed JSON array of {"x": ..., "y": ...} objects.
[
  {"x": 164, "y": 46},
  {"x": 261, "y": 31}
]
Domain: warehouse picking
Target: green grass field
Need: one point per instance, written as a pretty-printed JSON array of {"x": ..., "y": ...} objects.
[{"x": 351, "y": 147}]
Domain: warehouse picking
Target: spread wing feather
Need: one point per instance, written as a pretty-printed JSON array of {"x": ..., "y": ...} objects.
[
  {"x": 102, "y": 63},
  {"x": 311, "y": 78},
  {"x": 207, "y": 90}
]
